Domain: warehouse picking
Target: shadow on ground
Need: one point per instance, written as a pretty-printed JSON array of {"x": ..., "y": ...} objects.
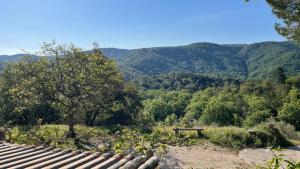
[{"x": 169, "y": 162}]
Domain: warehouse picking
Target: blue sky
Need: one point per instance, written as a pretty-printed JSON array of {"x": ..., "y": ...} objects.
[{"x": 25, "y": 24}]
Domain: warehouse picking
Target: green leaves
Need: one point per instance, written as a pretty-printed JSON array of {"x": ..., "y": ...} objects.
[
  {"x": 79, "y": 85},
  {"x": 290, "y": 111},
  {"x": 164, "y": 103},
  {"x": 288, "y": 12}
]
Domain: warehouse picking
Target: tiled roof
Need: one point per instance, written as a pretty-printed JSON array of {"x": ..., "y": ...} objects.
[{"x": 33, "y": 157}]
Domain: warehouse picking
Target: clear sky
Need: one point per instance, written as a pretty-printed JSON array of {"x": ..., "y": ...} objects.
[{"x": 25, "y": 24}]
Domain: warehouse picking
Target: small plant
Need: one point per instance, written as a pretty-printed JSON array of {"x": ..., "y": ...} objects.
[
  {"x": 129, "y": 140},
  {"x": 170, "y": 119},
  {"x": 278, "y": 161}
]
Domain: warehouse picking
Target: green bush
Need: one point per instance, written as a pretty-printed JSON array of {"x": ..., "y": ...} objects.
[
  {"x": 218, "y": 113},
  {"x": 228, "y": 136},
  {"x": 257, "y": 117},
  {"x": 270, "y": 135},
  {"x": 170, "y": 119},
  {"x": 290, "y": 113},
  {"x": 287, "y": 130}
]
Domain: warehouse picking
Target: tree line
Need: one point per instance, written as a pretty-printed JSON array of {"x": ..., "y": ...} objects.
[{"x": 244, "y": 105}]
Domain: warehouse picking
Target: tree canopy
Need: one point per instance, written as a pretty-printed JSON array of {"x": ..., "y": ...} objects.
[
  {"x": 77, "y": 84},
  {"x": 289, "y": 12}
]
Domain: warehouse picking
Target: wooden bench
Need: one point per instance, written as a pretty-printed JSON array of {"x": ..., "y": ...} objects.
[{"x": 176, "y": 130}]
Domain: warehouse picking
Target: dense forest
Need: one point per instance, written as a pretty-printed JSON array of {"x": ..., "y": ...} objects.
[
  {"x": 235, "y": 61},
  {"x": 254, "y": 61},
  {"x": 181, "y": 81}
]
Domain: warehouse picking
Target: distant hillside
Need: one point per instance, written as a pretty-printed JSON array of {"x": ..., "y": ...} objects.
[
  {"x": 224, "y": 61},
  {"x": 263, "y": 58},
  {"x": 12, "y": 58},
  {"x": 203, "y": 58},
  {"x": 115, "y": 52}
]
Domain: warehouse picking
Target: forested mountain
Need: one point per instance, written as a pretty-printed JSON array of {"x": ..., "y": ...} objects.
[
  {"x": 240, "y": 61},
  {"x": 226, "y": 61},
  {"x": 115, "y": 53},
  {"x": 12, "y": 58},
  {"x": 204, "y": 58},
  {"x": 263, "y": 58}
]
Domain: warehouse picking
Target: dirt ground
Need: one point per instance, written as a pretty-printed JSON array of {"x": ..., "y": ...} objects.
[
  {"x": 261, "y": 155},
  {"x": 210, "y": 156}
]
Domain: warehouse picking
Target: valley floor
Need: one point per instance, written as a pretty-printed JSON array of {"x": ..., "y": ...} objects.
[{"x": 210, "y": 156}]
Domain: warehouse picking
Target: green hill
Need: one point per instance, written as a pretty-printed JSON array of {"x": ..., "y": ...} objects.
[
  {"x": 225, "y": 61},
  {"x": 203, "y": 58},
  {"x": 263, "y": 58},
  {"x": 239, "y": 61}
]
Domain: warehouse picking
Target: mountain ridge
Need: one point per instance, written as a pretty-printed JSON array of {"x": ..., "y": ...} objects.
[{"x": 240, "y": 61}]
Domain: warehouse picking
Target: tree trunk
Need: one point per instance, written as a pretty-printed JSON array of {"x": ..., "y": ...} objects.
[
  {"x": 94, "y": 115},
  {"x": 91, "y": 118},
  {"x": 71, "y": 133}
]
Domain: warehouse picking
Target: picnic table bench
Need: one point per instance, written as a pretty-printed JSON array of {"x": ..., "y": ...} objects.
[{"x": 176, "y": 130}]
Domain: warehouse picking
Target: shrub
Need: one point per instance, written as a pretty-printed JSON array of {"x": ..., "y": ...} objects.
[
  {"x": 228, "y": 136},
  {"x": 257, "y": 117},
  {"x": 218, "y": 113},
  {"x": 270, "y": 135},
  {"x": 287, "y": 130},
  {"x": 290, "y": 113},
  {"x": 170, "y": 119}
]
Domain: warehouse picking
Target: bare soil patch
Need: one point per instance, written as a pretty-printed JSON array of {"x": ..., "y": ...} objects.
[
  {"x": 210, "y": 156},
  {"x": 259, "y": 156},
  {"x": 205, "y": 156}
]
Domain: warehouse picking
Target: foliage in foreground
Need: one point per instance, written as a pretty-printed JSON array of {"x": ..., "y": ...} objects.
[
  {"x": 278, "y": 161},
  {"x": 89, "y": 138},
  {"x": 229, "y": 136}
]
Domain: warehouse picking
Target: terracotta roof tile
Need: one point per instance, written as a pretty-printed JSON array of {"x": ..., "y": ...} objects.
[{"x": 30, "y": 157}]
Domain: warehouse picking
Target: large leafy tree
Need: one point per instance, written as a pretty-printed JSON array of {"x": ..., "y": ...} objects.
[
  {"x": 76, "y": 83},
  {"x": 84, "y": 82}
]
